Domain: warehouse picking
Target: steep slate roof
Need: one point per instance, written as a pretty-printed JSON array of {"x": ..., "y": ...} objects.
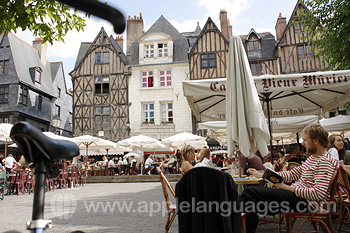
[
  {"x": 25, "y": 57},
  {"x": 180, "y": 44},
  {"x": 117, "y": 47},
  {"x": 267, "y": 42},
  {"x": 291, "y": 19},
  {"x": 192, "y": 36},
  {"x": 205, "y": 29},
  {"x": 85, "y": 46}
]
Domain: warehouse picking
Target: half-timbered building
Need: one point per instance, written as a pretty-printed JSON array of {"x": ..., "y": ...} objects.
[
  {"x": 100, "y": 83},
  {"x": 208, "y": 55},
  {"x": 294, "y": 53}
]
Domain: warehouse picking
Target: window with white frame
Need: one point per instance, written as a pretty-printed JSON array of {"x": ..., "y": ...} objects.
[
  {"x": 57, "y": 110},
  {"x": 102, "y": 118},
  {"x": 37, "y": 76},
  {"x": 149, "y": 50},
  {"x": 148, "y": 113},
  {"x": 166, "y": 113},
  {"x": 165, "y": 78},
  {"x": 70, "y": 119},
  {"x": 162, "y": 49},
  {"x": 147, "y": 79},
  {"x": 101, "y": 85}
]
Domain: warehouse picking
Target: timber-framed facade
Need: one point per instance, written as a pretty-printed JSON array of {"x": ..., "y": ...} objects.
[
  {"x": 208, "y": 55},
  {"x": 295, "y": 55},
  {"x": 100, "y": 100}
]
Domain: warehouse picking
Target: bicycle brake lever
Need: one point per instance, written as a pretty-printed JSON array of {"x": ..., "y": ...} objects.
[{"x": 101, "y": 10}]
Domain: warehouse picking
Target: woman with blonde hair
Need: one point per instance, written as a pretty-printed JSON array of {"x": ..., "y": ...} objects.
[
  {"x": 188, "y": 155},
  {"x": 204, "y": 159}
]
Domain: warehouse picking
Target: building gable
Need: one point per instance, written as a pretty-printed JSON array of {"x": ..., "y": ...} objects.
[{"x": 208, "y": 55}]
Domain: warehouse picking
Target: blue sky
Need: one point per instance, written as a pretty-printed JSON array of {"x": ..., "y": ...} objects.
[{"x": 183, "y": 14}]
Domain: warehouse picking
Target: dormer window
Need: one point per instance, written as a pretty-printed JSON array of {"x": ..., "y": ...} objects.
[
  {"x": 253, "y": 45},
  {"x": 162, "y": 49},
  {"x": 37, "y": 74},
  {"x": 149, "y": 50}
]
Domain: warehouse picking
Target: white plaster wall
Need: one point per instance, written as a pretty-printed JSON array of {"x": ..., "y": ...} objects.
[{"x": 157, "y": 94}]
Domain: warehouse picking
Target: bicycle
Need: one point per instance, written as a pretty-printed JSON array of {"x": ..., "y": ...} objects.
[{"x": 44, "y": 153}]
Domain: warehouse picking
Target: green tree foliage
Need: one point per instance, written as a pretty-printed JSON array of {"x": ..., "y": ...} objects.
[
  {"x": 48, "y": 19},
  {"x": 328, "y": 25}
]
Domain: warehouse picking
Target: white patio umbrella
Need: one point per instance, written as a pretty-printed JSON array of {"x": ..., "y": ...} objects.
[
  {"x": 338, "y": 123},
  {"x": 181, "y": 139},
  {"x": 246, "y": 124},
  {"x": 143, "y": 142},
  {"x": 5, "y": 129},
  {"x": 89, "y": 142}
]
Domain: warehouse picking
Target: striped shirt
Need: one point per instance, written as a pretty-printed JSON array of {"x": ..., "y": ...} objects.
[{"x": 312, "y": 178}]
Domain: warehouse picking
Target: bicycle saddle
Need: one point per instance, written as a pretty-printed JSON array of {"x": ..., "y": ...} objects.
[{"x": 34, "y": 144}]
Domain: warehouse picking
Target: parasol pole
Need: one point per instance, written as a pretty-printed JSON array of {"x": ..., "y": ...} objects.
[
  {"x": 5, "y": 148},
  {"x": 267, "y": 99}
]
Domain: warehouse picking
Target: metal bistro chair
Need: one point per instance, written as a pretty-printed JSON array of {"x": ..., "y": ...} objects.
[
  {"x": 171, "y": 208},
  {"x": 2, "y": 184}
]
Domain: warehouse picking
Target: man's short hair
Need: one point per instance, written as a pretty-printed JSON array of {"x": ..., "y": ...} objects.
[
  {"x": 317, "y": 132},
  {"x": 291, "y": 149}
]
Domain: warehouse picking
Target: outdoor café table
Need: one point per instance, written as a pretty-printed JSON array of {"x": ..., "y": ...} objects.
[{"x": 246, "y": 181}]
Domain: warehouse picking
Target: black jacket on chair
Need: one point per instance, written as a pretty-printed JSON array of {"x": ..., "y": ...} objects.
[{"x": 200, "y": 193}]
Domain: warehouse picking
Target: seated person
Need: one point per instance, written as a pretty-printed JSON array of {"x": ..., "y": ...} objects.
[
  {"x": 148, "y": 165},
  {"x": 133, "y": 160},
  {"x": 168, "y": 163},
  {"x": 293, "y": 150},
  {"x": 254, "y": 162},
  {"x": 112, "y": 166},
  {"x": 204, "y": 159},
  {"x": 188, "y": 156},
  {"x": 220, "y": 162},
  {"x": 310, "y": 187}
]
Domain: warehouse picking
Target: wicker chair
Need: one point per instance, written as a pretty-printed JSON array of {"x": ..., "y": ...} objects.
[
  {"x": 341, "y": 193},
  {"x": 171, "y": 208},
  {"x": 322, "y": 217}
]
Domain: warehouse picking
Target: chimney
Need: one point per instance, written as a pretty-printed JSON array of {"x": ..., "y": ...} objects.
[
  {"x": 280, "y": 26},
  {"x": 224, "y": 23},
  {"x": 134, "y": 32},
  {"x": 41, "y": 48},
  {"x": 120, "y": 41},
  {"x": 229, "y": 29}
]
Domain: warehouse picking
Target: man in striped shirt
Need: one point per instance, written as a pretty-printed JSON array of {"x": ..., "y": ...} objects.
[{"x": 311, "y": 181}]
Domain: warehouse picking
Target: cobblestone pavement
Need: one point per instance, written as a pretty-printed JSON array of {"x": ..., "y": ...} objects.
[{"x": 101, "y": 207}]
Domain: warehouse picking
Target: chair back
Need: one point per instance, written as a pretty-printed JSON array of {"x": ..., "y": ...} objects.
[
  {"x": 209, "y": 189},
  {"x": 165, "y": 186},
  {"x": 341, "y": 186},
  {"x": 292, "y": 165}
]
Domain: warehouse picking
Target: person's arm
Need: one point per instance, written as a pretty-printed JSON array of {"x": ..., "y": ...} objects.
[
  {"x": 255, "y": 173},
  {"x": 333, "y": 153},
  {"x": 318, "y": 190}
]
